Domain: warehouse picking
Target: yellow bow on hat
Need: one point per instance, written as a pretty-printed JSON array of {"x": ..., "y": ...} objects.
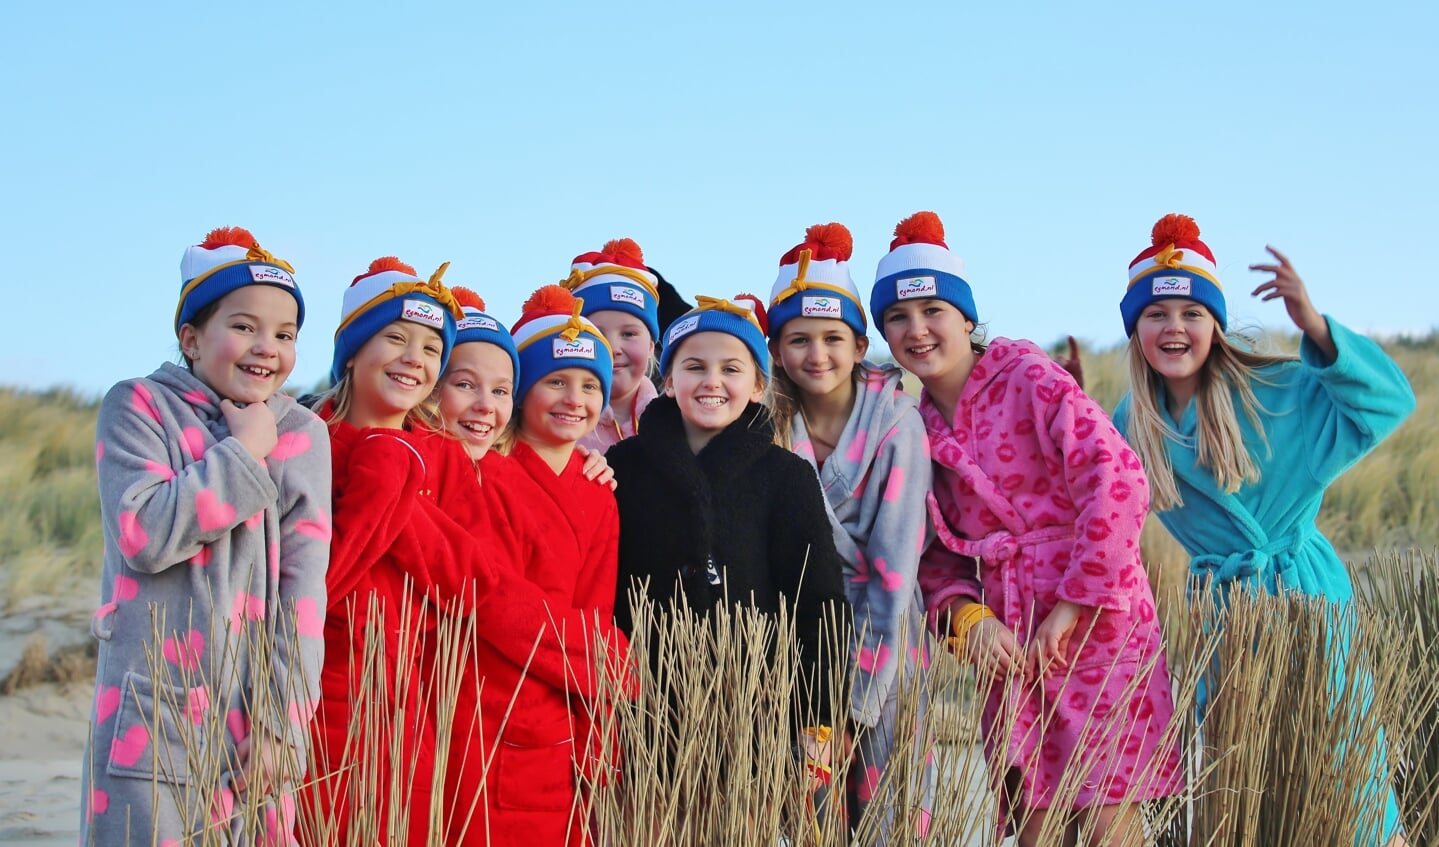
[
  {"x": 1169, "y": 257},
  {"x": 799, "y": 283},
  {"x": 719, "y": 304},
  {"x": 260, "y": 254},
  {"x": 434, "y": 289}
]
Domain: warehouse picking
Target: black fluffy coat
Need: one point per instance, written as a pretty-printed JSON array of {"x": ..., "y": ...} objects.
[{"x": 751, "y": 507}]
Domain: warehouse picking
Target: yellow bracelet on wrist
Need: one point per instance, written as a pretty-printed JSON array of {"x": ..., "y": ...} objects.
[{"x": 962, "y": 621}]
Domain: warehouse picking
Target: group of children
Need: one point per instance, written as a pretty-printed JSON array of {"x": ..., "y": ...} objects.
[{"x": 455, "y": 469}]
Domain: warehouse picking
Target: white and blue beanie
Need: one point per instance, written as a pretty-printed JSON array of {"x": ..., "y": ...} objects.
[
  {"x": 477, "y": 326},
  {"x": 616, "y": 279},
  {"x": 391, "y": 291},
  {"x": 229, "y": 258},
  {"x": 717, "y": 315},
  {"x": 814, "y": 281},
  {"x": 919, "y": 266},
  {"x": 1175, "y": 265},
  {"x": 552, "y": 335}
]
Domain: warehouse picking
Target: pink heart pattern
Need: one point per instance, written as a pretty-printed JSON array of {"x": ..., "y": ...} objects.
[
  {"x": 187, "y": 653},
  {"x": 239, "y": 725},
  {"x": 126, "y": 588},
  {"x": 99, "y": 802},
  {"x": 126, "y": 751},
  {"x": 290, "y": 445},
  {"x": 193, "y": 440},
  {"x": 144, "y": 403},
  {"x": 308, "y": 620},
  {"x": 211, "y": 512},
  {"x": 871, "y": 660},
  {"x": 197, "y": 704},
  {"x": 248, "y": 607},
  {"x": 203, "y": 557},
  {"x": 107, "y": 700},
  {"x": 316, "y": 529},
  {"x": 164, "y": 472},
  {"x": 133, "y": 537}
]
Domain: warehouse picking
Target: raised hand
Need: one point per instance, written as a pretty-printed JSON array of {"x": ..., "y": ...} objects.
[
  {"x": 253, "y": 425},
  {"x": 1287, "y": 284}
]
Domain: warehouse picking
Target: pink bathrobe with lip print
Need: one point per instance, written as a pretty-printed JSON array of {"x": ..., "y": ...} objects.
[{"x": 1034, "y": 482}]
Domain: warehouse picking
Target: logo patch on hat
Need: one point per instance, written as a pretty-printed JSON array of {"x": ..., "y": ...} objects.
[
  {"x": 625, "y": 294},
  {"x": 916, "y": 286},
  {"x": 1172, "y": 286},
  {"x": 423, "y": 313},
  {"x": 683, "y": 328},
  {"x": 822, "y": 307},
  {"x": 478, "y": 322},
  {"x": 272, "y": 276},
  {"x": 580, "y": 348}
]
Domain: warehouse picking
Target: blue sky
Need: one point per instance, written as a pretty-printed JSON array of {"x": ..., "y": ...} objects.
[{"x": 1049, "y": 137}]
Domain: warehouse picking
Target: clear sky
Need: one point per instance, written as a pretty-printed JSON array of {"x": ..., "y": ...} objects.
[{"x": 508, "y": 137}]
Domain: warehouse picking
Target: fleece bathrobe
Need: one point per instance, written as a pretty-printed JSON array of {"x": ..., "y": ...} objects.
[
  {"x": 1319, "y": 419},
  {"x": 1033, "y": 482},
  {"x": 396, "y": 548},
  {"x": 535, "y": 647},
  {"x": 208, "y": 553},
  {"x": 875, "y": 483},
  {"x": 742, "y": 520}
]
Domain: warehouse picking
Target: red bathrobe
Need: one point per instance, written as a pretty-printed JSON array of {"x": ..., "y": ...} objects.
[
  {"x": 537, "y": 628},
  {"x": 393, "y": 546}
]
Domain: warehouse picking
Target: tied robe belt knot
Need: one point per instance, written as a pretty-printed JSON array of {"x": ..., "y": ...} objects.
[
  {"x": 999, "y": 547},
  {"x": 1246, "y": 564}
]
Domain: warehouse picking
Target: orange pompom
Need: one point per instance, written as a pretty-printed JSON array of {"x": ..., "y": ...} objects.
[
  {"x": 229, "y": 236},
  {"x": 550, "y": 298},
  {"x": 919, "y": 228},
  {"x": 833, "y": 239},
  {"x": 625, "y": 252},
  {"x": 1172, "y": 229},
  {"x": 468, "y": 298},
  {"x": 389, "y": 263}
]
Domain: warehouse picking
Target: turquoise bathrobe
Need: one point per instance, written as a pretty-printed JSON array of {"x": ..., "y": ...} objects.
[{"x": 1319, "y": 419}]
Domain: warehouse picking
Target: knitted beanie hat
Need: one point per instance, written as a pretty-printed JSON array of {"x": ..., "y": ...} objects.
[
  {"x": 616, "y": 279},
  {"x": 390, "y": 291},
  {"x": 919, "y": 265},
  {"x": 717, "y": 315},
  {"x": 1176, "y": 264},
  {"x": 477, "y": 326},
  {"x": 551, "y": 335},
  {"x": 229, "y": 258},
  {"x": 814, "y": 281}
]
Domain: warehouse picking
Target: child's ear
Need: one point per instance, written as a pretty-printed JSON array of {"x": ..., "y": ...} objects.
[
  {"x": 669, "y": 387},
  {"x": 188, "y": 341},
  {"x": 758, "y": 394},
  {"x": 861, "y": 346}
]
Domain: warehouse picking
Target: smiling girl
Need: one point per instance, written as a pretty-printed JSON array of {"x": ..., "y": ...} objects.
[
  {"x": 1038, "y": 505},
  {"x": 404, "y": 495},
  {"x": 621, "y": 298},
  {"x": 712, "y": 510},
  {"x": 534, "y": 654},
  {"x": 215, "y": 501},
  {"x": 864, "y": 436},
  {"x": 1239, "y": 446}
]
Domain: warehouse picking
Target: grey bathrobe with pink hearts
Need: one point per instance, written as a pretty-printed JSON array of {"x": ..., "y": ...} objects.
[{"x": 211, "y": 610}]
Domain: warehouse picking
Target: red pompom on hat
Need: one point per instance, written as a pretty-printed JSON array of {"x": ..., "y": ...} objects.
[
  {"x": 229, "y": 236},
  {"x": 814, "y": 281},
  {"x": 468, "y": 298},
  {"x": 919, "y": 228}
]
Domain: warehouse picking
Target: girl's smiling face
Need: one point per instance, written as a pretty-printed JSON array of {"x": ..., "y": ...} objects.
[
  {"x": 712, "y": 378},
  {"x": 561, "y": 408},
  {"x": 928, "y": 337},
  {"x": 246, "y": 349},
  {"x": 819, "y": 354},
  {"x": 477, "y": 395},
  {"x": 1175, "y": 336},
  {"x": 393, "y": 373},
  {"x": 632, "y": 346}
]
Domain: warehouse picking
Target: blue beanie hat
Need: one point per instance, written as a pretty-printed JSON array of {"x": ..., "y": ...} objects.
[
  {"x": 919, "y": 265},
  {"x": 551, "y": 335},
  {"x": 229, "y": 258},
  {"x": 814, "y": 281},
  {"x": 616, "y": 279},
  {"x": 391, "y": 291},
  {"x": 1176, "y": 265},
  {"x": 716, "y": 315},
  {"x": 476, "y": 326}
]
